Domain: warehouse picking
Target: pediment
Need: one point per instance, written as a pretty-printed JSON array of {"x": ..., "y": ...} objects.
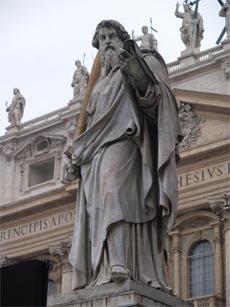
[
  {"x": 196, "y": 219},
  {"x": 40, "y": 144}
]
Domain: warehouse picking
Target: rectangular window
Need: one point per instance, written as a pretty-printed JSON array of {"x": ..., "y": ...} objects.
[{"x": 41, "y": 172}]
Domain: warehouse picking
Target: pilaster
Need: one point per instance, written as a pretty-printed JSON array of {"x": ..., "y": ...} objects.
[{"x": 62, "y": 251}]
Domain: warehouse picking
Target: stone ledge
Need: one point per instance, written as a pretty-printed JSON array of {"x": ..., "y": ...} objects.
[{"x": 129, "y": 293}]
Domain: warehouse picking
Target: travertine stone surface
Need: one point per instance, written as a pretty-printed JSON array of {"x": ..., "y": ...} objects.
[
  {"x": 221, "y": 206},
  {"x": 125, "y": 294}
]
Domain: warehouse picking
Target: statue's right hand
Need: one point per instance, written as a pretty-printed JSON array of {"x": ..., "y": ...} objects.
[{"x": 177, "y": 5}]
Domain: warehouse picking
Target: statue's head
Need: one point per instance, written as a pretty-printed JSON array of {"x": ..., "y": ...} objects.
[
  {"x": 186, "y": 6},
  {"x": 16, "y": 91},
  {"x": 114, "y": 25},
  {"x": 109, "y": 37},
  {"x": 78, "y": 63},
  {"x": 145, "y": 30}
]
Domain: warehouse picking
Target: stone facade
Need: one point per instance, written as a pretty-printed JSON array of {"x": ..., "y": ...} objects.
[{"x": 37, "y": 209}]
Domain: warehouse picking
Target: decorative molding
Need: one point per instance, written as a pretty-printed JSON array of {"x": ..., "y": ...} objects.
[
  {"x": 220, "y": 206},
  {"x": 5, "y": 261},
  {"x": 203, "y": 217},
  {"x": 50, "y": 140},
  {"x": 190, "y": 125},
  {"x": 226, "y": 68},
  {"x": 61, "y": 250},
  {"x": 198, "y": 222},
  {"x": 8, "y": 151}
]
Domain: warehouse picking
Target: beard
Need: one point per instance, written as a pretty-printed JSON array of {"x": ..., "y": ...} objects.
[{"x": 109, "y": 59}]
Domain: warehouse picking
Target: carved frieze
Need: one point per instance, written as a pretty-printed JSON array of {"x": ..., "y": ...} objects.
[{"x": 190, "y": 125}]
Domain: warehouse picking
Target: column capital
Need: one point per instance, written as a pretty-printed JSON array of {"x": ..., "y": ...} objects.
[
  {"x": 221, "y": 207},
  {"x": 5, "y": 261},
  {"x": 60, "y": 249}
]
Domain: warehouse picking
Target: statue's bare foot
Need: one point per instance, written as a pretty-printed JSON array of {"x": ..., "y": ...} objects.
[{"x": 119, "y": 273}]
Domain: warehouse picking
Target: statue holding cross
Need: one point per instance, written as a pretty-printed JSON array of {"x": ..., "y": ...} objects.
[
  {"x": 225, "y": 12},
  {"x": 192, "y": 28}
]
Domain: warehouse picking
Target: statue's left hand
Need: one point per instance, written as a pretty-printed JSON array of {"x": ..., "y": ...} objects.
[{"x": 131, "y": 66}]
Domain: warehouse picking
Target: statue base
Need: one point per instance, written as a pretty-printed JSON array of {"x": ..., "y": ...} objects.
[
  {"x": 226, "y": 44},
  {"x": 75, "y": 103},
  {"x": 12, "y": 129},
  {"x": 188, "y": 56},
  {"x": 125, "y": 294}
]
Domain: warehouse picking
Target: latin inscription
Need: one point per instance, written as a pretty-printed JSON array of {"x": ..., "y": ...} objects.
[
  {"x": 37, "y": 226},
  {"x": 203, "y": 175}
]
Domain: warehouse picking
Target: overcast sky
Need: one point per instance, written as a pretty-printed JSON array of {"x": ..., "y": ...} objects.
[{"x": 41, "y": 39}]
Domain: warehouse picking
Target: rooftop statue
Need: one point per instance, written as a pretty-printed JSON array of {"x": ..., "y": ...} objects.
[
  {"x": 80, "y": 80},
  {"x": 225, "y": 12},
  {"x": 127, "y": 155},
  {"x": 192, "y": 26},
  {"x": 148, "y": 40},
  {"x": 16, "y": 108}
]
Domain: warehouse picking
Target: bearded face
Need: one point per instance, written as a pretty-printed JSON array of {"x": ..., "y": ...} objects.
[{"x": 109, "y": 45}]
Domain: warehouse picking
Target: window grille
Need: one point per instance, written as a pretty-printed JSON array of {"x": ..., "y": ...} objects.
[{"x": 200, "y": 261}]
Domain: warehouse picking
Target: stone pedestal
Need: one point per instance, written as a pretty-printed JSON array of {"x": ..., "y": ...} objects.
[
  {"x": 188, "y": 57},
  {"x": 126, "y": 294},
  {"x": 226, "y": 44},
  {"x": 75, "y": 103},
  {"x": 12, "y": 129}
]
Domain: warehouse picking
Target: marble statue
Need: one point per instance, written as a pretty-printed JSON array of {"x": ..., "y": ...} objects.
[
  {"x": 225, "y": 12},
  {"x": 80, "y": 80},
  {"x": 127, "y": 157},
  {"x": 16, "y": 108},
  {"x": 148, "y": 40},
  {"x": 192, "y": 26}
]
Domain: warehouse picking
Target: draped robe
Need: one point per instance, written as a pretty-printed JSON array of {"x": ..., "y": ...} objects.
[{"x": 127, "y": 157}]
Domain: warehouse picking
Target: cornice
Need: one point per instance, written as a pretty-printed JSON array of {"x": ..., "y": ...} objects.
[{"x": 51, "y": 199}]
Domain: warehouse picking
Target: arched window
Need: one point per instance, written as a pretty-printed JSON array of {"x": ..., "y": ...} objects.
[{"x": 200, "y": 260}]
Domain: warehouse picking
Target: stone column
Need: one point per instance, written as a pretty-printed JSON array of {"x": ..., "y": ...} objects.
[
  {"x": 62, "y": 250},
  {"x": 176, "y": 262},
  {"x": 221, "y": 206}
]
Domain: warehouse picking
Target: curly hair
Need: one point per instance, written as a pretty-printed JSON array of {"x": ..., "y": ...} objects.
[{"x": 121, "y": 32}]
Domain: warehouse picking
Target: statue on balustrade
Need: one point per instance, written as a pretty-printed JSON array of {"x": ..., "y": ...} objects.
[
  {"x": 126, "y": 153},
  {"x": 80, "y": 80},
  {"x": 148, "y": 40},
  {"x": 192, "y": 28},
  {"x": 16, "y": 108},
  {"x": 225, "y": 12}
]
